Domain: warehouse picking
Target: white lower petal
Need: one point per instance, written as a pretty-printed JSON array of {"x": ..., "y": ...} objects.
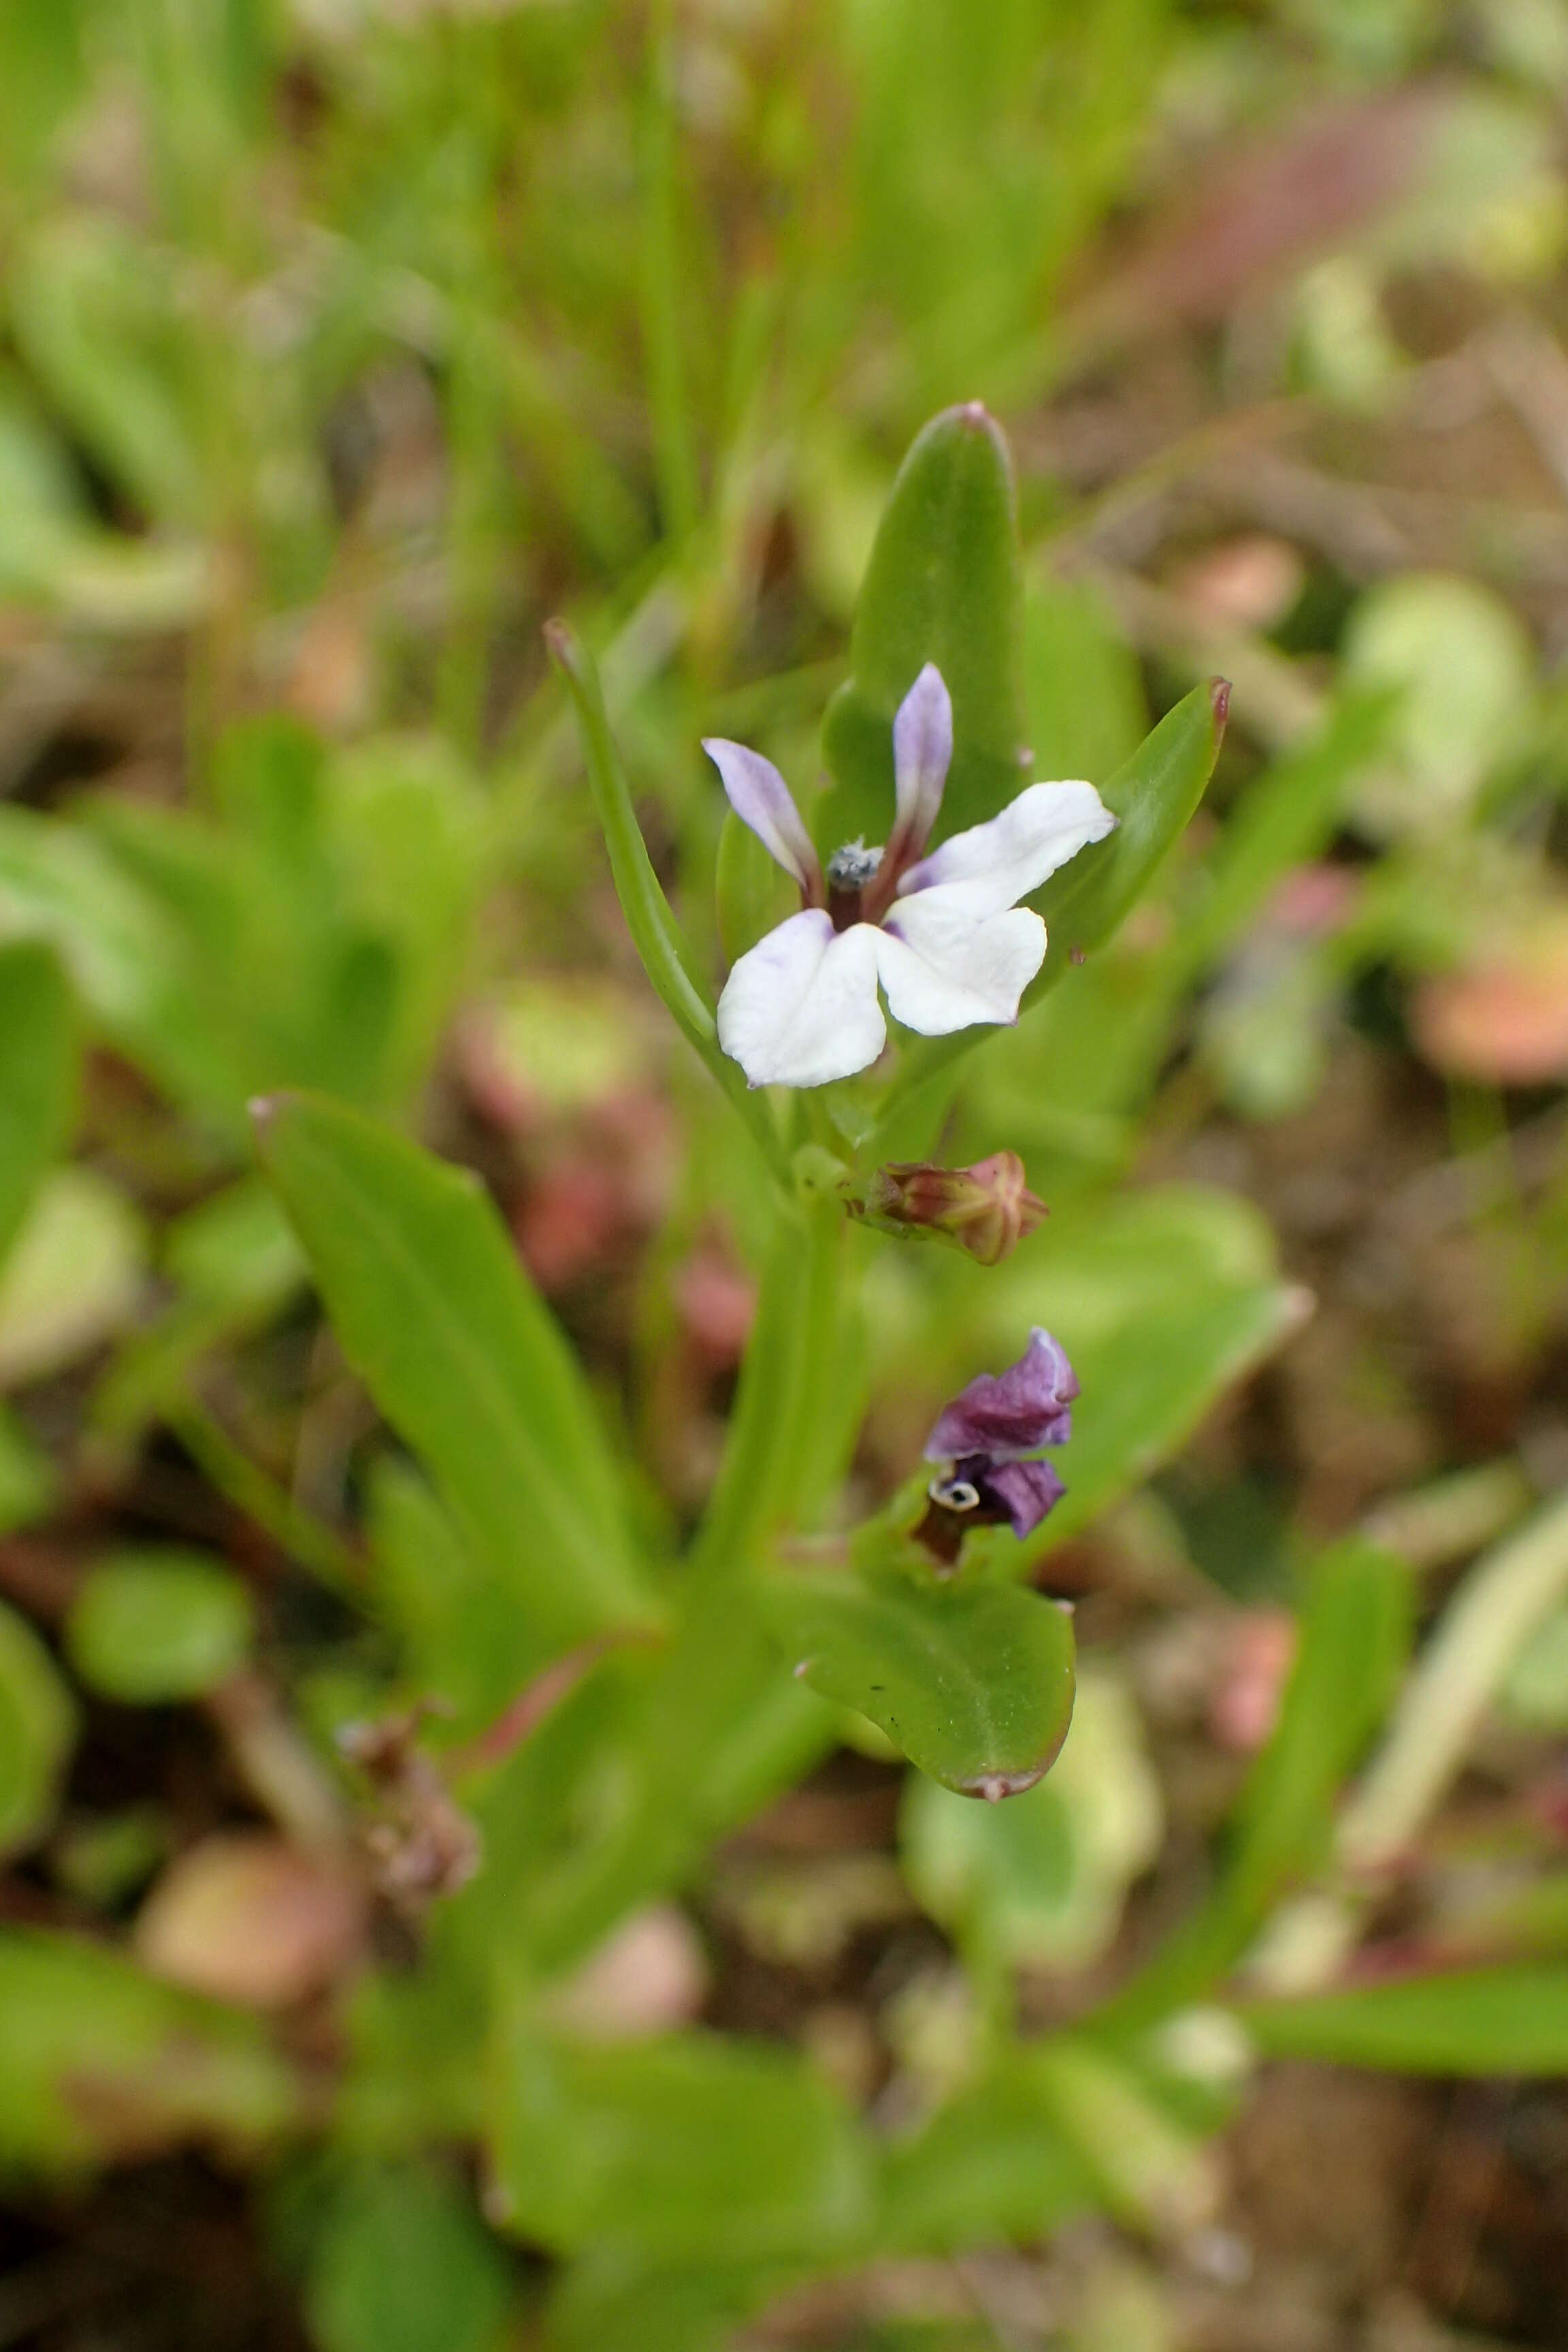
[
  {"x": 997, "y": 863},
  {"x": 942, "y": 970},
  {"x": 801, "y": 1007}
]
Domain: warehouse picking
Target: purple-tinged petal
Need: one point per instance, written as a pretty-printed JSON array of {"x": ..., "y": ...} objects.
[
  {"x": 760, "y": 799},
  {"x": 995, "y": 864},
  {"x": 1027, "y": 1491},
  {"x": 1005, "y": 1414},
  {"x": 800, "y": 1008},
  {"x": 945, "y": 970},
  {"x": 922, "y": 753}
]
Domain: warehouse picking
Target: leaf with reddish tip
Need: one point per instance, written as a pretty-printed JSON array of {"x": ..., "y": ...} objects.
[
  {"x": 944, "y": 586},
  {"x": 973, "y": 1682}
]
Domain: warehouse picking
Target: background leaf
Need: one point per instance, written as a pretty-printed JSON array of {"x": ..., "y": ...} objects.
[
  {"x": 37, "y": 1732},
  {"x": 438, "y": 1317},
  {"x": 1475, "y": 2022},
  {"x": 100, "y": 2061},
  {"x": 38, "y": 1074}
]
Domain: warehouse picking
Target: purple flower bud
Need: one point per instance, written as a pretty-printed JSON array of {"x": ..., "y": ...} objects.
[
  {"x": 981, "y": 1441},
  {"x": 1005, "y": 1414},
  {"x": 986, "y": 1210}
]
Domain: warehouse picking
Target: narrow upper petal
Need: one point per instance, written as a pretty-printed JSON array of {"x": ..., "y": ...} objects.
[
  {"x": 761, "y": 798},
  {"x": 922, "y": 753},
  {"x": 801, "y": 1007},
  {"x": 943, "y": 970},
  {"x": 996, "y": 863}
]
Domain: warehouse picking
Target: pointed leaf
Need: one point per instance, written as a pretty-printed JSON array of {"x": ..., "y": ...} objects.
[
  {"x": 438, "y": 1317},
  {"x": 973, "y": 1682},
  {"x": 944, "y": 586}
]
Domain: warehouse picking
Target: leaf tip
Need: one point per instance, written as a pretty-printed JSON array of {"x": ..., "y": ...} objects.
[
  {"x": 559, "y": 643},
  {"x": 1219, "y": 701},
  {"x": 991, "y": 1787}
]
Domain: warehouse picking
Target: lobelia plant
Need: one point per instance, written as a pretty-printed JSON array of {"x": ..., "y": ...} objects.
[
  {"x": 656, "y": 1706},
  {"x": 586, "y": 1704}
]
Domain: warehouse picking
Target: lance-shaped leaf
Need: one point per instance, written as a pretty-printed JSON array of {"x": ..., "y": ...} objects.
[
  {"x": 37, "y": 1074},
  {"x": 973, "y": 1682},
  {"x": 944, "y": 586},
  {"x": 439, "y": 1319}
]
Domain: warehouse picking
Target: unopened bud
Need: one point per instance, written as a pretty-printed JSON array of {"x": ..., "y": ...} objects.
[{"x": 986, "y": 1210}]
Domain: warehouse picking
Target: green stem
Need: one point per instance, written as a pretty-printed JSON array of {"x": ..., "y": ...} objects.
[
  {"x": 666, "y": 956},
  {"x": 719, "y": 1726}
]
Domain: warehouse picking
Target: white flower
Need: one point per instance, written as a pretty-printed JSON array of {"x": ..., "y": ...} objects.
[{"x": 945, "y": 935}]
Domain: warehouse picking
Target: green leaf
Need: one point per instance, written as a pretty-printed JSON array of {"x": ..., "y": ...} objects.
[
  {"x": 97, "y": 311},
  {"x": 991, "y": 2167},
  {"x": 402, "y": 2263},
  {"x": 1153, "y": 799},
  {"x": 1059, "y": 2128},
  {"x": 74, "y": 1277},
  {"x": 1355, "y": 1636},
  {"x": 666, "y": 956},
  {"x": 153, "y": 1623},
  {"x": 38, "y": 1074},
  {"x": 1150, "y": 2168},
  {"x": 98, "y": 2059},
  {"x": 1042, "y": 1880},
  {"x": 1511, "y": 2020},
  {"x": 468, "y": 1638},
  {"x": 37, "y": 1732},
  {"x": 613, "y": 2297},
  {"x": 28, "y": 1484},
  {"x": 944, "y": 586},
  {"x": 1082, "y": 684},
  {"x": 1354, "y": 1639},
  {"x": 438, "y": 1317},
  {"x": 971, "y": 1681},
  {"x": 693, "y": 2146}
]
